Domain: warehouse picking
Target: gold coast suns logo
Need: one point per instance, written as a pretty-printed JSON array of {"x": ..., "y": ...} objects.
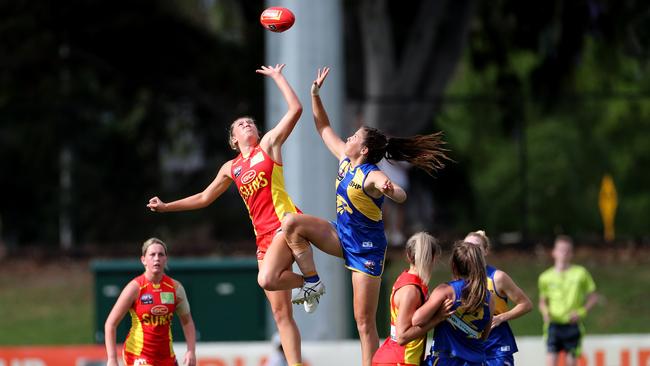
[
  {"x": 342, "y": 205},
  {"x": 251, "y": 182}
]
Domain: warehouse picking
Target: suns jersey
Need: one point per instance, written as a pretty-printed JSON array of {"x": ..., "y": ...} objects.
[
  {"x": 501, "y": 341},
  {"x": 358, "y": 216},
  {"x": 460, "y": 335},
  {"x": 260, "y": 183},
  {"x": 390, "y": 351},
  {"x": 151, "y": 318}
]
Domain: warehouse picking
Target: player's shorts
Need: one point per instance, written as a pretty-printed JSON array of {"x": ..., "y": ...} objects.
[
  {"x": 508, "y": 360},
  {"x": 264, "y": 242},
  {"x": 448, "y": 361},
  {"x": 564, "y": 337},
  {"x": 368, "y": 260},
  {"x": 133, "y": 360}
]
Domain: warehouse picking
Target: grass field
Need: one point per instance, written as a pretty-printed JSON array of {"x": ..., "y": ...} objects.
[{"x": 51, "y": 303}]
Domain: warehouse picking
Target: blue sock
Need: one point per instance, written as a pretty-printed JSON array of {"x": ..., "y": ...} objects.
[{"x": 312, "y": 279}]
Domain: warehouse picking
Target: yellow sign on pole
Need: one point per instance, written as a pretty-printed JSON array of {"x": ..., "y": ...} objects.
[{"x": 608, "y": 201}]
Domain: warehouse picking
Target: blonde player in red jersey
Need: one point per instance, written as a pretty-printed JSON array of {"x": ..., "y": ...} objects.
[
  {"x": 151, "y": 299},
  {"x": 406, "y": 344},
  {"x": 257, "y": 172}
]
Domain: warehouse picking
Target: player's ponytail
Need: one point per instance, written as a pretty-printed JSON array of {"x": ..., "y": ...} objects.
[
  {"x": 467, "y": 263},
  {"x": 421, "y": 251},
  {"x": 423, "y": 151}
]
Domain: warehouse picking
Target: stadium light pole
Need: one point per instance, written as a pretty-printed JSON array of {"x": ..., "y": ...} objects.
[{"x": 315, "y": 40}]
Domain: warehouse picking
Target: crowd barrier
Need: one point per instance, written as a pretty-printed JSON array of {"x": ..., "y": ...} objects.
[{"x": 610, "y": 350}]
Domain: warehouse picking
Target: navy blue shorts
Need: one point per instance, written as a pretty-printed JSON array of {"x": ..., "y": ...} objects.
[{"x": 564, "y": 337}]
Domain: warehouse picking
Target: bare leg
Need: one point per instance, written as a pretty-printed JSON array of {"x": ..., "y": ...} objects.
[
  {"x": 301, "y": 228},
  {"x": 366, "y": 297},
  {"x": 275, "y": 271},
  {"x": 283, "y": 314},
  {"x": 569, "y": 359},
  {"x": 551, "y": 359}
]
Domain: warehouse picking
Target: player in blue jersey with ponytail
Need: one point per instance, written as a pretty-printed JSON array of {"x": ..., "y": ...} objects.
[
  {"x": 358, "y": 234},
  {"x": 459, "y": 340},
  {"x": 500, "y": 345}
]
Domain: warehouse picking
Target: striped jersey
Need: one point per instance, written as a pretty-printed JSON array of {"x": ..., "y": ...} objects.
[
  {"x": 390, "y": 351},
  {"x": 260, "y": 183}
]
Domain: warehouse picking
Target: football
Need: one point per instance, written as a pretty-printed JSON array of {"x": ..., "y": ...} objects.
[{"x": 277, "y": 19}]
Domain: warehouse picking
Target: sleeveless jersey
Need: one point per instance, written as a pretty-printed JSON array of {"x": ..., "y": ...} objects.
[
  {"x": 501, "y": 341},
  {"x": 260, "y": 183},
  {"x": 151, "y": 318},
  {"x": 390, "y": 352},
  {"x": 460, "y": 335},
  {"x": 359, "y": 223}
]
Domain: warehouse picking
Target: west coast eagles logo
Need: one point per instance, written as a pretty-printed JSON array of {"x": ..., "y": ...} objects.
[{"x": 342, "y": 205}]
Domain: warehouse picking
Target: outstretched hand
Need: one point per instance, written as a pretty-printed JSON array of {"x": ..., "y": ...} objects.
[
  {"x": 320, "y": 78},
  {"x": 270, "y": 70}
]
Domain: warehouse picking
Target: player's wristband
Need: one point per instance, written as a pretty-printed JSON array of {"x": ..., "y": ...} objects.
[
  {"x": 315, "y": 89},
  {"x": 582, "y": 312}
]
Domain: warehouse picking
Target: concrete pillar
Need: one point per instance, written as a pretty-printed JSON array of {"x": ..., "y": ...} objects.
[{"x": 315, "y": 40}]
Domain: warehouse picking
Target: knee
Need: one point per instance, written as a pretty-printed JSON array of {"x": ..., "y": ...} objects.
[
  {"x": 289, "y": 223},
  {"x": 266, "y": 280},
  {"x": 365, "y": 325},
  {"x": 282, "y": 314}
]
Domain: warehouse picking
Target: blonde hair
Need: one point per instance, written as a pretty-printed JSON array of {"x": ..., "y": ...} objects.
[
  {"x": 421, "y": 250},
  {"x": 467, "y": 262},
  {"x": 151, "y": 241},
  {"x": 482, "y": 238}
]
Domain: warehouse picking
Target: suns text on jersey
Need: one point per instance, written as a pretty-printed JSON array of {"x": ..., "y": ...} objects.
[{"x": 249, "y": 189}]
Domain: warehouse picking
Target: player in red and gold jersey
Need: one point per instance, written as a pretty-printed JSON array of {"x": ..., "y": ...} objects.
[
  {"x": 257, "y": 172},
  {"x": 406, "y": 343},
  {"x": 151, "y": 299}
]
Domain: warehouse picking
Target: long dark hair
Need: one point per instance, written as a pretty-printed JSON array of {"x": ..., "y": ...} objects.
[
  {"x": 467, "y": 262},
  {"x": 423, "y": 151}
]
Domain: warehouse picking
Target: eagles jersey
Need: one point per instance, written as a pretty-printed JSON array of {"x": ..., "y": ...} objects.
[
  {"x": 359, "y": 223},
  {"x": 501, "y": 341},
  {"x": 460, "y": 335}
]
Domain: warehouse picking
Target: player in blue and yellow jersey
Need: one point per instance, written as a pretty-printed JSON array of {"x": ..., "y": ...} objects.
[
  {"x": 566, "y": 294},
  {"x": 151, "y": 299},
  {"x": 458, "y": 341},
  {"x": 501, "y": 345},
  {"x": 257, "y": 171},
  {"x": 358, "y": 234}
]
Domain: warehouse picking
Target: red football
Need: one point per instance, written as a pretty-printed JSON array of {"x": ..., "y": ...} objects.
[{"x": 277, "y": 19}]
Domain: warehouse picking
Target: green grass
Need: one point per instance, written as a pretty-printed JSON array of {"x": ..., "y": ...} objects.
[
  {"x": 51, "y": 303},
  {"x": 45, "y": 303}
]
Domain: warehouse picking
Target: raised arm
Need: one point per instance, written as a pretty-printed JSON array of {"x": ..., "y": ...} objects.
[
  {"x": 121, "y": 307},
  {"x": 219, "y": 185},
  {"x": 273, "y": 139},
  {"x": 507, "y": 286},
  {"x": 333, "y": 141}
]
